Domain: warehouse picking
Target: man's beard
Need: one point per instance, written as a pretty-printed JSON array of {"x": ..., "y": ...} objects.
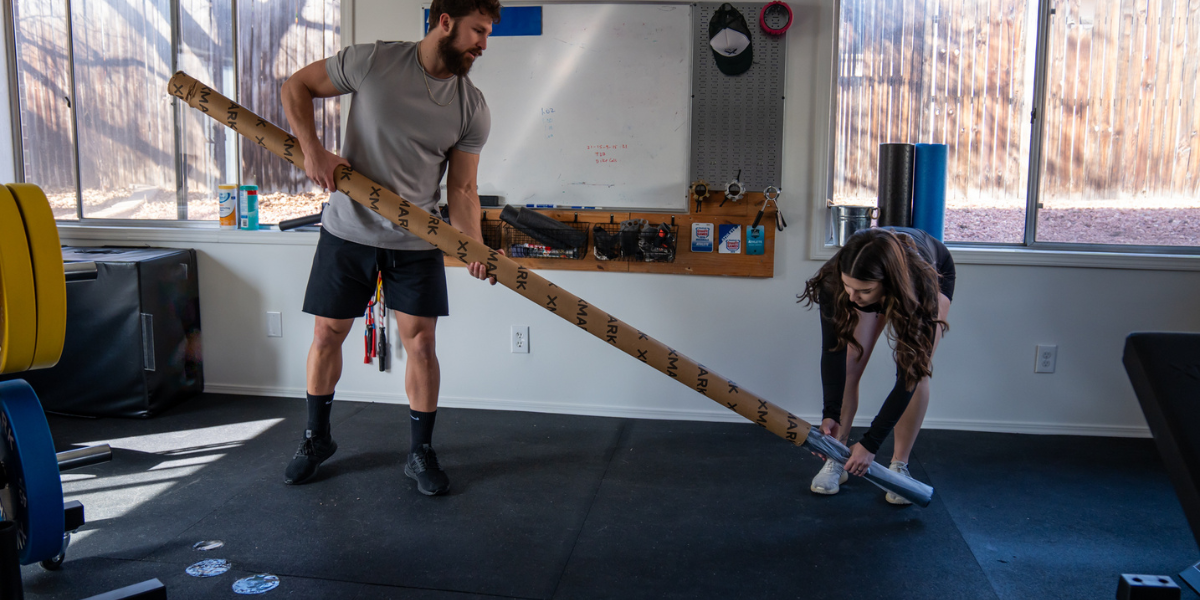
[{"x": 456, "y": 61}]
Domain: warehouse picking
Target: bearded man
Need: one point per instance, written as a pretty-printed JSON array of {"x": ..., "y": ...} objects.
[{"x": 414, "y": 117}]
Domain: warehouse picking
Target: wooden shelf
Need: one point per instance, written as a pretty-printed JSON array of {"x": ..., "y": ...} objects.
[{"x": 686, "y": 262}]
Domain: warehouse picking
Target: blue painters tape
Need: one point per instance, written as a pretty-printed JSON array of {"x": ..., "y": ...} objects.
[
  {"x": 514, "y": 20},
  {"x": 34, "y": 493},
  {"x": 929, "y": 189}
]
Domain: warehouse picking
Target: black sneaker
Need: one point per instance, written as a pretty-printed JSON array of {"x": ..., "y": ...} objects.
[
  {"x": 312, "y": 452},
  {"x": 423, "y": 466}
]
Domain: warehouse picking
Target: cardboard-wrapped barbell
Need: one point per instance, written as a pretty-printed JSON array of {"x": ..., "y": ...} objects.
[{"x": 532, "y": 286}]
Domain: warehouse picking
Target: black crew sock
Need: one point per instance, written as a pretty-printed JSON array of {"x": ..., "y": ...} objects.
[
  {"x": 422, "y": 428},
  {"x": 318, "y": 414}
]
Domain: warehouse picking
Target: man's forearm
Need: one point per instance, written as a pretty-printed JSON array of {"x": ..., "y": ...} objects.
[
  {"x": 465, "y": 212},
  {"x": 298, "y": 108}
]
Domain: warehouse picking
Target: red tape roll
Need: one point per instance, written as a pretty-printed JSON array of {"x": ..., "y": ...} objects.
[{"x": 775, "y": 6}]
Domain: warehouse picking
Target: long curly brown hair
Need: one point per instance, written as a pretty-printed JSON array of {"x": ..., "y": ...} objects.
[{"x": 910, "y": 297}]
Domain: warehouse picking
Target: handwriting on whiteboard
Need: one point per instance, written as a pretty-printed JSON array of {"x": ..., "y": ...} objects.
[
  {"x": 606, "y": 153},
  {"x": 548, "y": 122}
]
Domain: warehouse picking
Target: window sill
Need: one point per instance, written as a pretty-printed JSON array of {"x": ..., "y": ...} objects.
[
  {"x": 76, "y": 234},
  {"x": 1037, "y": 257}
]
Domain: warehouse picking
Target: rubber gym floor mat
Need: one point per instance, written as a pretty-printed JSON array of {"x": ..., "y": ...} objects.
[
  {"x": 169, "y": 472},
  {"x": 92, "y": 576},
  {"x": 578, "y": 507},
  {"x": 690, "y": 510},
  {"x": 520, "y": 487},
  {"x": 1060, "y": 516}
]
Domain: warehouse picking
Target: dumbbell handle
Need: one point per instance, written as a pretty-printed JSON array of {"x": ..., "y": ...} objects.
[{"x": 83, "y": 457}]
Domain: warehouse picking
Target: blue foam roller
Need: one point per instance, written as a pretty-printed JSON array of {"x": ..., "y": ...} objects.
[
  {"x": 929, "y": 189},
  {"x": 34, "y": 497}
]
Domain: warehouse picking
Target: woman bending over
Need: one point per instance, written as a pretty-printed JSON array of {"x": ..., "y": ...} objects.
[{"x": 897, "y": 278}]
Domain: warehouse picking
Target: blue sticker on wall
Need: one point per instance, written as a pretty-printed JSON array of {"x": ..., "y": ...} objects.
[
  {"x": 514, "y": 20},
  {"x": 755, "y": 239}
]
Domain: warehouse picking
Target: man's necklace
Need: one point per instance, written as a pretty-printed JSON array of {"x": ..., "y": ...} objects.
[{"x": 426, "y": 78}]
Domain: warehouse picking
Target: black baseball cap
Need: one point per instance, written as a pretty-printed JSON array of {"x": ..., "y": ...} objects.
[{"x": 729, "y": 37}]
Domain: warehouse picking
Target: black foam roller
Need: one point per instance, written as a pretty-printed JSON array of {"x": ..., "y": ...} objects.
[
  {"x": 549, "y": 231},
  {"x": 896, "y": 165}
]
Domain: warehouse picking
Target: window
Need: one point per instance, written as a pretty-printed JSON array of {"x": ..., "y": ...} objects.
[
  {"x": 1112, "y": 158},
  {"x": 104, "y": 139}
]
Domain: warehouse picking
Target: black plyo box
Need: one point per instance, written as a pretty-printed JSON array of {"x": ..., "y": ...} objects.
[{"x": 132, "y": 347}]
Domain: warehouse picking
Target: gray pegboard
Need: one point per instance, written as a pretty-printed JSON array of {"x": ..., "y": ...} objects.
[{"x": 737, "y": 120}]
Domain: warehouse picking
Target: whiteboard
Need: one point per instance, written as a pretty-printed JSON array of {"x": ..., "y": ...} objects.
[{"x": 593, "y": 112}]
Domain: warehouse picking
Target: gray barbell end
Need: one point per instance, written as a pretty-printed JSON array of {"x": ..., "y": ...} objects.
[
  {"x": 151, "y": 589},
  {"x": 83, "y": 457},
  {"x": 910, "y": 489}
]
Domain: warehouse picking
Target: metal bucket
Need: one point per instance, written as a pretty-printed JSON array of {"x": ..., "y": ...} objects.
[{"x": 848, "y": 219}]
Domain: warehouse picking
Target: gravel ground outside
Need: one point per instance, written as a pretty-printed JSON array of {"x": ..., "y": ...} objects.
[
  {"x": 1101, "y": 225},
  {"x": 158, "y": 204},
  {"x": 1142, "y": 221}
]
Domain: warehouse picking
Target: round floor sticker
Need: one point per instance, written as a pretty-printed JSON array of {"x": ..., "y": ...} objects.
[
  {"x": 257, "y": 584},
  {"x": 209, "y": 568}
]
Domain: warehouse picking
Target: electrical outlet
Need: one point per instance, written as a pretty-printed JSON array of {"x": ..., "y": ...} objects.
[
  {"x": 1047, "y": 357},
  {"x": 520, "y": 339},
  {"x": 274, "y": 324}
]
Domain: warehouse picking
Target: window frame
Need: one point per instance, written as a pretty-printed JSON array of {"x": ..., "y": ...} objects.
[
  {"x": 1029, "y": 251},
  {"x": 123, "y": 228}
]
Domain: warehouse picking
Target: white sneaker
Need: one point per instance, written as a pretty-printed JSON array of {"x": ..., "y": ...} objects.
[
  {"x": 901, "y": 468},
  {"x": 828, "y": 481}
]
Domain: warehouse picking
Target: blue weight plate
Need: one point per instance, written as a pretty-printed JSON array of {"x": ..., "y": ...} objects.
[{"x": 34, "y": 497}]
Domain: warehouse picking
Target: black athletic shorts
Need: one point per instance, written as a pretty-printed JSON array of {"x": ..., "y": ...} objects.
[{"x": 344, "y": 273}]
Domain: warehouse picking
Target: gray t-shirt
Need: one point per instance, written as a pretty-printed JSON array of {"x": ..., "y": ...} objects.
[{"x": 398, "y": 137}]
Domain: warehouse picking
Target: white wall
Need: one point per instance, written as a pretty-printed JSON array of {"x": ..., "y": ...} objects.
[{"x": 751, "y": 331}]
